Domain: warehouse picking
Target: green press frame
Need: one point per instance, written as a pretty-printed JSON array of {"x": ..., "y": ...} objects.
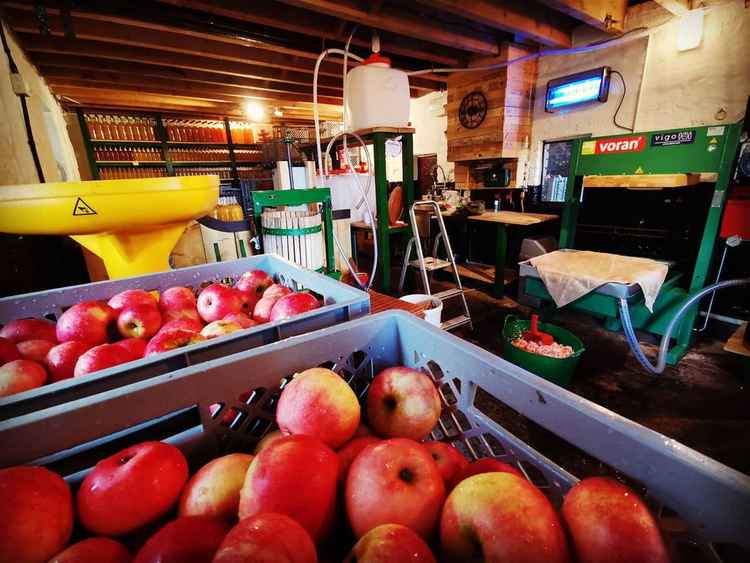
[
  {"x": 713, "y": 150},
  {"x": 274, "y": 198}
]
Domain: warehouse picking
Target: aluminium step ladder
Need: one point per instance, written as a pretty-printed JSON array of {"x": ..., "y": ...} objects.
[{"x": 432, "y": 263}]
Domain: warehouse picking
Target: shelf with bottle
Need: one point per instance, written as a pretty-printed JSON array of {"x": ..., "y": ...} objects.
[
  {"x": 133, "y": 172},
  {"x": 120, "y": 153},
  {"x": 241, "y": 133},
  {"x": 248, "y": 155},
  {"x": 224, "y": 173},
  {"x": 199, "y": 154},
  {"x": 195, "y": 131},
  {"x": 109, "y": 127}
]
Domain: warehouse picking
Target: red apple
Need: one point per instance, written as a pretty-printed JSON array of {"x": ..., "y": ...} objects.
[
  {"x": 269, "y": 537},
  {"x": 177, "y": 299},
  {"x": 184, "y": 323},
  {"x": 21, "y": 375},
  {"x": 132, "y": 298},
  {"x": 262, "y": 311},
  {"x": 484, "y": 465},
  {"x": 35, "y": 350},
  {"x": 276, "y": 291},
  {"x": 180, "y": 314},
  {"x": 362, "y": 431},
  {"x": 501, "y": 517},
  {"x": 191, "y": 539},
  {"x": 101, "y": 357},
  {"x": 131, "y": 488},
  {"x": 293, "y": 304},
  {"x": 217, "y": 301},
  {"x": 171, "y": 339},
  {"x": 403, "y": 403},
  {"x": 267, "y": 440},
  {"x": 351, "y": 450},
  {"x": 215, "y": 489},
  {"x": 390, "y": 543},
  {"x": 139, "y": 321},
  {"x": 86, "y": 321},
  {"x": 8, "y": 351},
  {"x": 61, "y": 359},
  {"x": 99, "y": 550},
  {"x": 252, "y": 284},
  {"x": 36, "y": 513},
  {"x": 29, "y": 329},
  {"x": 449, "y": 460},
  {"x": 394, "y": 482},
  {"x": 241, "y": 319},
  {"x": 295, "y": 476},
  {"x": 136, "y": 347},
  {"x": 607, "y": 521},
  {"x": 219, "y": 328},
  {"x": 319, "y": 403}
]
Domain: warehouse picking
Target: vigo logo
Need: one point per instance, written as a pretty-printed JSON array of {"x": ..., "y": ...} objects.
[{"x": 623, "y": 144}]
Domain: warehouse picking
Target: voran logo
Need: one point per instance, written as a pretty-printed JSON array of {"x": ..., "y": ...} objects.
[{"x": 623, "y": 144}]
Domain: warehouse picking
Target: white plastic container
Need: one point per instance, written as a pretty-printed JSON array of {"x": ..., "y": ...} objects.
[
  {"x": 377, "y": 95},
  {"x": 431, "y": 315}
]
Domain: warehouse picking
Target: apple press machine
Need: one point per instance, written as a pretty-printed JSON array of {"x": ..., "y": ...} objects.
[{"x": 677, "y": 159}]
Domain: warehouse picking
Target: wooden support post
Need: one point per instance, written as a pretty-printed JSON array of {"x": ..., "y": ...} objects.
[{"x": 381, "y": 205}]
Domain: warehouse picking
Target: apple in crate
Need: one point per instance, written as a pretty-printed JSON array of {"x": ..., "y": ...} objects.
[
  {"x": 293, "y": 304},
  {"x": 403, "y": 403},
  {"x": 167, "y": 340},
  {"x": 99, "y": 550},
  {"x": 101, "y": 357},
  {"x": 35, "y": 350},
  {"x": 87, "y": 321},
  {"x": 252, "y": 284},
  {"x": 132, "y": 298},
  {"x": 501, "y": 517},
  {"x": 217, "y": 301},
  {"x": 449, "y": 460},
  {"x": 394, "y": 482},
  {"x": 390, "y": 542},
  {"x": 136, "y": 347},
  {"x": 351, "y": 450},
  {"x": 191, "y": 539},
  {"x": 180, "y": 314},
  {"x": 319, "y": 403},
  {"x": 177, "y": 299},
  {"x": 8, "y": 351},
  {"x": 296, "y": 476},
  {"x": 184, "y": 323},
  {"x": 241, "y": 319},
  {"x": 267, "y": 440},
  {"x": 36, "y": 513},
  {"x": 215, "y": 489},
  {"x": 61, "y": 359},
  {"x": 485, "y": 465},
  {"x": 131, "y": 488},
  {"x": 21, "y": 375},
  {"x": 219, "y": 328},
  {"x": 605, "y": 518},
  {"x": 139, "y": 321},
  {"x": 262, "y": 310},
  {"x": 29, "y": 329},
  {"x": 276, "y": 291},
  {"x": 267, "y": 537}
]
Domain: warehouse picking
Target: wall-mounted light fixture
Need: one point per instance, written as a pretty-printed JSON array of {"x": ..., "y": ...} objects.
[{"x": 580, "y": 88}]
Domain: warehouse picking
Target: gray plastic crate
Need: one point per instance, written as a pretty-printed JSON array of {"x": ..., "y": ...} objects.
[
  {"x": 712, "y": 498},
  {"x": 340, "y": 303}
]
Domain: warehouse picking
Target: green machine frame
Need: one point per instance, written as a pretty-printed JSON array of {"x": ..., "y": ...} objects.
[
  {"x": 693, "y": 150},
  {"x": 274, "y": 198}
]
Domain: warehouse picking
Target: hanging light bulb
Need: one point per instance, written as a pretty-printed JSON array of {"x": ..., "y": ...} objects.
[{"x": 254, "y": 111}]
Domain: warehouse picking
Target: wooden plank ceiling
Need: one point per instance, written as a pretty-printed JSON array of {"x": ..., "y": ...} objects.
[{"x": 208, "y": 57}]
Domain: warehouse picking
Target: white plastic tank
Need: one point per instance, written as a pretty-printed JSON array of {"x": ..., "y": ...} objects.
[{"x": 377, "y": 95}]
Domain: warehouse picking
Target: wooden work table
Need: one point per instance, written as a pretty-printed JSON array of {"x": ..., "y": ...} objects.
[{"x": 501, "y": 219}]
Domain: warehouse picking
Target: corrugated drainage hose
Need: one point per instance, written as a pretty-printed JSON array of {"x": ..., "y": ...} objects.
[{"x": 661, "y": 359}]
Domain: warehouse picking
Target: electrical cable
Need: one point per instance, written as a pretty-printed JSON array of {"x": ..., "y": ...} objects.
[
  {"x": 619, "y": 104},
  {"x": 24, "y": 108}
]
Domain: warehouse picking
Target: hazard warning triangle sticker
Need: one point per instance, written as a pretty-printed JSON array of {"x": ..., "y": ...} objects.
[{"x": 82, "y": 208}]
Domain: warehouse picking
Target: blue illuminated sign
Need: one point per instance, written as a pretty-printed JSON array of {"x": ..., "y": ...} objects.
[{"x": 580, "y": 88}]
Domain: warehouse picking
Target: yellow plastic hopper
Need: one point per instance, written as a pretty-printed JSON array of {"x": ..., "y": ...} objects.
[{"x": 132, "y": 225}]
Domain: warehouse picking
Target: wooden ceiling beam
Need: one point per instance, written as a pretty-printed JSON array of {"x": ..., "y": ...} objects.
[
  {"x": 607, "y": 15},
  {"x": 510, "y": 16},
  {"x": 403, "y": 23},
  {"x": 677, "y": 7},
  {"x": 323, "y": 26},
  {"x": 131, "y": 34}
]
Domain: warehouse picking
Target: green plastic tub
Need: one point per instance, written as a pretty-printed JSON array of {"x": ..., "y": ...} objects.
[{"x": 556, "y": 370}]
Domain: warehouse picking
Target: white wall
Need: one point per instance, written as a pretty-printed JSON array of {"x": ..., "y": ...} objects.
[
  {"x": 665, "y": 88},
  {"x": 47, "y": 121}
]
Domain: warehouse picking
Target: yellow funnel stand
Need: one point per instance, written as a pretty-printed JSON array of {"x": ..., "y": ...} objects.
[{"x": 132, "y": 225}]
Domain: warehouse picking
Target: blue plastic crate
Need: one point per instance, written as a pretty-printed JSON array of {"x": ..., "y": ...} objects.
[
  {"x": 341, "y": 303},
  {"x": 712, "y": 498}
]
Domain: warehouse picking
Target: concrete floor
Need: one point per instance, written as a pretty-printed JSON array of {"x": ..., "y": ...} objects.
[{"x": 703, "y": 402}]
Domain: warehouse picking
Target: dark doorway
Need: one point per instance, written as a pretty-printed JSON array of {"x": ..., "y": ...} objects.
[{"x": 423, "y": 185}]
